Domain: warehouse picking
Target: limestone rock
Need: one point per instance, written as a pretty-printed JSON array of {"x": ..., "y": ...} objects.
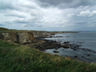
[
  {"x": 17, "y": 37},
  {"x": 25, "y": 37},
  {"x": 11, "y": 36}
]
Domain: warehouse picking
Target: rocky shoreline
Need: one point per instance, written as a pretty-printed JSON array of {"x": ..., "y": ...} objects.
[
  {"x": 67, "y": 49},
  {"x": 75, "y": 51},
  {"x": 37, "y": 41},
  {"x": 34, "y": 39},
  {"x": 28, "y": 38},
  {"x": 43, "y": 44}
]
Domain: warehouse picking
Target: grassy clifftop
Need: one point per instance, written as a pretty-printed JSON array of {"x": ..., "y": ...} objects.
[
  {"x": 3, "y": 29},
  {"x": 17, "y": 58}
]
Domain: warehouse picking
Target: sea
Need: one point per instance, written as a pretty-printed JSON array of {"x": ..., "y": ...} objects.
[{"x": 86, "y": 40}]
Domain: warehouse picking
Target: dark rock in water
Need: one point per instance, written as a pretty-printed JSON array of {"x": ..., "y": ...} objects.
[
  {"x": 66, "y": 45},
  {"x": 74, "y": 49},
  {"x": 66, "y": 42},
  {"x": 82, "y": 56},
  {"x": 88, "y": 55},
  {"x": 56, "y": 51},
  {"x": 75, "y": 56}
]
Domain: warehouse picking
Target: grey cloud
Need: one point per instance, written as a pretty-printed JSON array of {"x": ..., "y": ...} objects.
[
  {"x": 15, "y": 16},
  {"x": 1, "y": 24},
  {"x": 67, "y": 3},
  {"x": 21, "y": 22},
  {"x": 5, "y": 5},
  {"x": 33, "y": 14},
  {"x": 82, "y": 23}
]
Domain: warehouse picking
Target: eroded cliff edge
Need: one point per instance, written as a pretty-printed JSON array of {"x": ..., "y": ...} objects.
[
  {"x": 34, "y": 39},
  {"x": 17, "y": 37}
]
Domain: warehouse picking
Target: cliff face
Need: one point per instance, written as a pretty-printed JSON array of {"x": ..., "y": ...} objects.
[
  {"x": 17, "y": 37},
  {"x": 42, "y": 34}
]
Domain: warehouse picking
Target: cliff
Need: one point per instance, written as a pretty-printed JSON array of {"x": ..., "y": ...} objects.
[
  {"x": 30, "y": 38},
  {"x": 37, "y": 34},
  {"x": 17, "y": 37}
]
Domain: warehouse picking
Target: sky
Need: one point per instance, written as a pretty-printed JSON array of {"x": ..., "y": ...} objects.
[{"x": 50, "y": 15}]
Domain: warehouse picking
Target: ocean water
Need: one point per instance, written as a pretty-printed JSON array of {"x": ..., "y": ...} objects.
[{"x": 87, "y": 40}]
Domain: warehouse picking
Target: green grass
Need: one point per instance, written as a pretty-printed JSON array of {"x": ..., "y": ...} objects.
[{"x": 16, "y": 58}]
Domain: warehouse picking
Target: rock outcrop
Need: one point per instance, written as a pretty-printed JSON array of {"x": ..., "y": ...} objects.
[
  {"x": 25, "y": 37},
  {"x": 17, "y": 37}
]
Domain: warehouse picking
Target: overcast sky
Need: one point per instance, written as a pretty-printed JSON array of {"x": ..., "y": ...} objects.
[{"x": 48, "y": 14}]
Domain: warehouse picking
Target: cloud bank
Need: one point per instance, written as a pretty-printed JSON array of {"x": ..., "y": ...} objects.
[{"x": 48, "y": 14}]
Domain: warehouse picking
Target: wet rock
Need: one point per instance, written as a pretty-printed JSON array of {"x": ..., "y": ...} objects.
[
  {"x": 45, "y": 44},
  {"x": 75, "y": 56},
  {"x": 67, "y": 42},
  {"x": 88, "y": 55},
  {"x": 75, "y": 49},
  {"x": 66, "y": 45},
  {"x": 56, "y": 51}
]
